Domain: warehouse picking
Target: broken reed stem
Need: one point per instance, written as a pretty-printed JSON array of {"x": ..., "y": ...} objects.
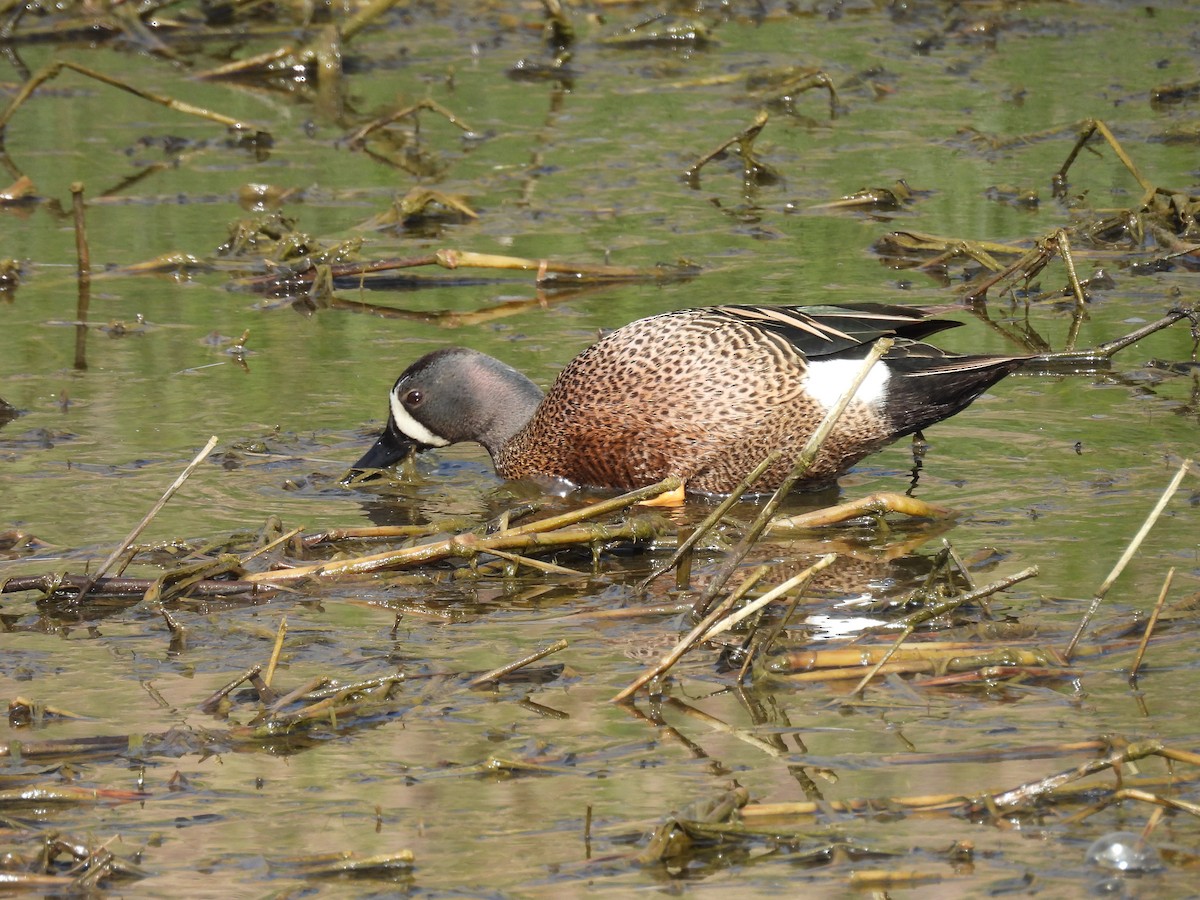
[
  {"x": 1030, "y": 791},
  {"x": 280, "y": 634},
  {"x": 1090, "y": 127},
  {"x": 933, "y": 612},
  {"x": 538, "y": 564},
  {"x": 266, "y": 548},
  {"x": 141, "y": 526},
  {"x": 749, "y": 133},
  {"x": 1125, "y": 557},
  {"x": 802, "y": 464},
  {"x": 694, "y": 637},
  {"x": 552, "y": 531},
  {"x": 770, "y": 596},
  {"x": 711, "y": 520},
  {"x": 306, "y": 690},
  {"x": 594, "y": 510},
  {"x": 756, "y": 645},
  {"x": 53, "y": 70},
  {"x": 451, "y": 259},
  {"x": 82, "y": 254},
  {"x": 213, "y": 700},
  {"x": 979, "y": 292},
  {"x": 497, "y": 674},
  {"x": 1064, "y": 252},
  {"x": 50, "y": 585},
  {"x": 1108, "y": 349},
  {"x": 962, "y": 569},
  {"x": 1162, "y": 598},
  {"x": 356, "y": 139},
  {"x": 83, "y": 277}
]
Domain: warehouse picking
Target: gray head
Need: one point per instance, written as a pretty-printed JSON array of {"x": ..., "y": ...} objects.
[{"x": 449, "y": 396}]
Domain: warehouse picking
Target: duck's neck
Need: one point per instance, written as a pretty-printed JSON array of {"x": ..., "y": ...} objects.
[{"x": 509, "y": 400}]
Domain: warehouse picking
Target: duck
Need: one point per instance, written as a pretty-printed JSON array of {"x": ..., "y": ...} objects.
[{"x": 703, "y": 394}]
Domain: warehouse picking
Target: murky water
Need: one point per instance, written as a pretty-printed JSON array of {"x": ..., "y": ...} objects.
[{"x": 491, "y": 789}]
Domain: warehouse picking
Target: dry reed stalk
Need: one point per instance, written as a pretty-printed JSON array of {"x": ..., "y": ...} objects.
[
  {"x": 55, "y": 68},
  {"x": 141, "y": 526},
  {"x": 551, "y": 531},
  {"x": 276, "y": 649},
  {"x": 695, "y": 636},
  {"x": 710, "y": 521},
  {"x": 1158, "y": 605},
  {"x": 801, "y": 580},
  {"x": 1126, "y": 557}
]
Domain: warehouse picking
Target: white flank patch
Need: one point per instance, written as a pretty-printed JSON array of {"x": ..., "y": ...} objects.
[
  {"x": 829, "y": 378},
  {"x": 410, "y": 426}
]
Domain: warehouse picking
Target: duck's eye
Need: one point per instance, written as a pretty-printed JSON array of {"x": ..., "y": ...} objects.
[{"x": 413, "y": 398}]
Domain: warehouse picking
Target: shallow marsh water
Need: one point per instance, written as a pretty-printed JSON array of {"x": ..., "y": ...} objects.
[{"x": 490, "y": 790}]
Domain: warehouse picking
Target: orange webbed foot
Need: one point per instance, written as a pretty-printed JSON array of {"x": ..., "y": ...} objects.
[{"x": 669, "y": 498}]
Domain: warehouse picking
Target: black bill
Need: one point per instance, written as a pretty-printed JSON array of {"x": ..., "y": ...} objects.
[{"x": 393, "y": 446}]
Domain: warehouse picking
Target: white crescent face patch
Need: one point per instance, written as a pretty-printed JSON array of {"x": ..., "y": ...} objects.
[
  {"x": 828, "y": 379},
  {"x": 410, "y": 426}
]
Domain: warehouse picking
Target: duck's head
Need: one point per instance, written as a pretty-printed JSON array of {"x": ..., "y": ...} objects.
[{"x": 449, "y": 396}]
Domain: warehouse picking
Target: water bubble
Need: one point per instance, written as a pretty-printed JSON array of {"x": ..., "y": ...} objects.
[{"x": 1123, "y": 851}]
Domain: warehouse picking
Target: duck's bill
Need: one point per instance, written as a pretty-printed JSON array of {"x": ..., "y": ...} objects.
[{"x": 392, "y": 446}]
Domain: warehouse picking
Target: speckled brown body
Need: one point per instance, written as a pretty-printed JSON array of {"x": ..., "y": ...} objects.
[
  {"x": 704, "y": 394},
  {"x": 693, "y": 394}
]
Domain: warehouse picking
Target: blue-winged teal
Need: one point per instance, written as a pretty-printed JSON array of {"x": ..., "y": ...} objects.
[{"x": 704, "y": 394}]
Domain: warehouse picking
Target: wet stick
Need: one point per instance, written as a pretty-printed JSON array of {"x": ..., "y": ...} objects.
[
  {"x": 711, "y": 520},
  {"x": 212, "y": 701},
  {"x": 560, "y": 530},
  {"x": 276, "y": 650},
  {"x": 1108, "y": 349},
  {"x": 146, "y": 520},
  {"x": 1126, "y": 557},
  {"x": 1030, "y": 792},
  {"x": 83, "y": 266},
  {"x": 356, "y": 139},
  {"x": 693, "y": 637},
  {"x": 1162, "y": 598},
  {"x": 497, "y": 674},
  {"x": 744, "y": 139},
  {"x": 51, "y": 585},
  {"x": 799, "y": 580},
  {"x": 939, "y": 609},
  {"x": 53, "y": 70},
  {"x": 83, "y": 269}
]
